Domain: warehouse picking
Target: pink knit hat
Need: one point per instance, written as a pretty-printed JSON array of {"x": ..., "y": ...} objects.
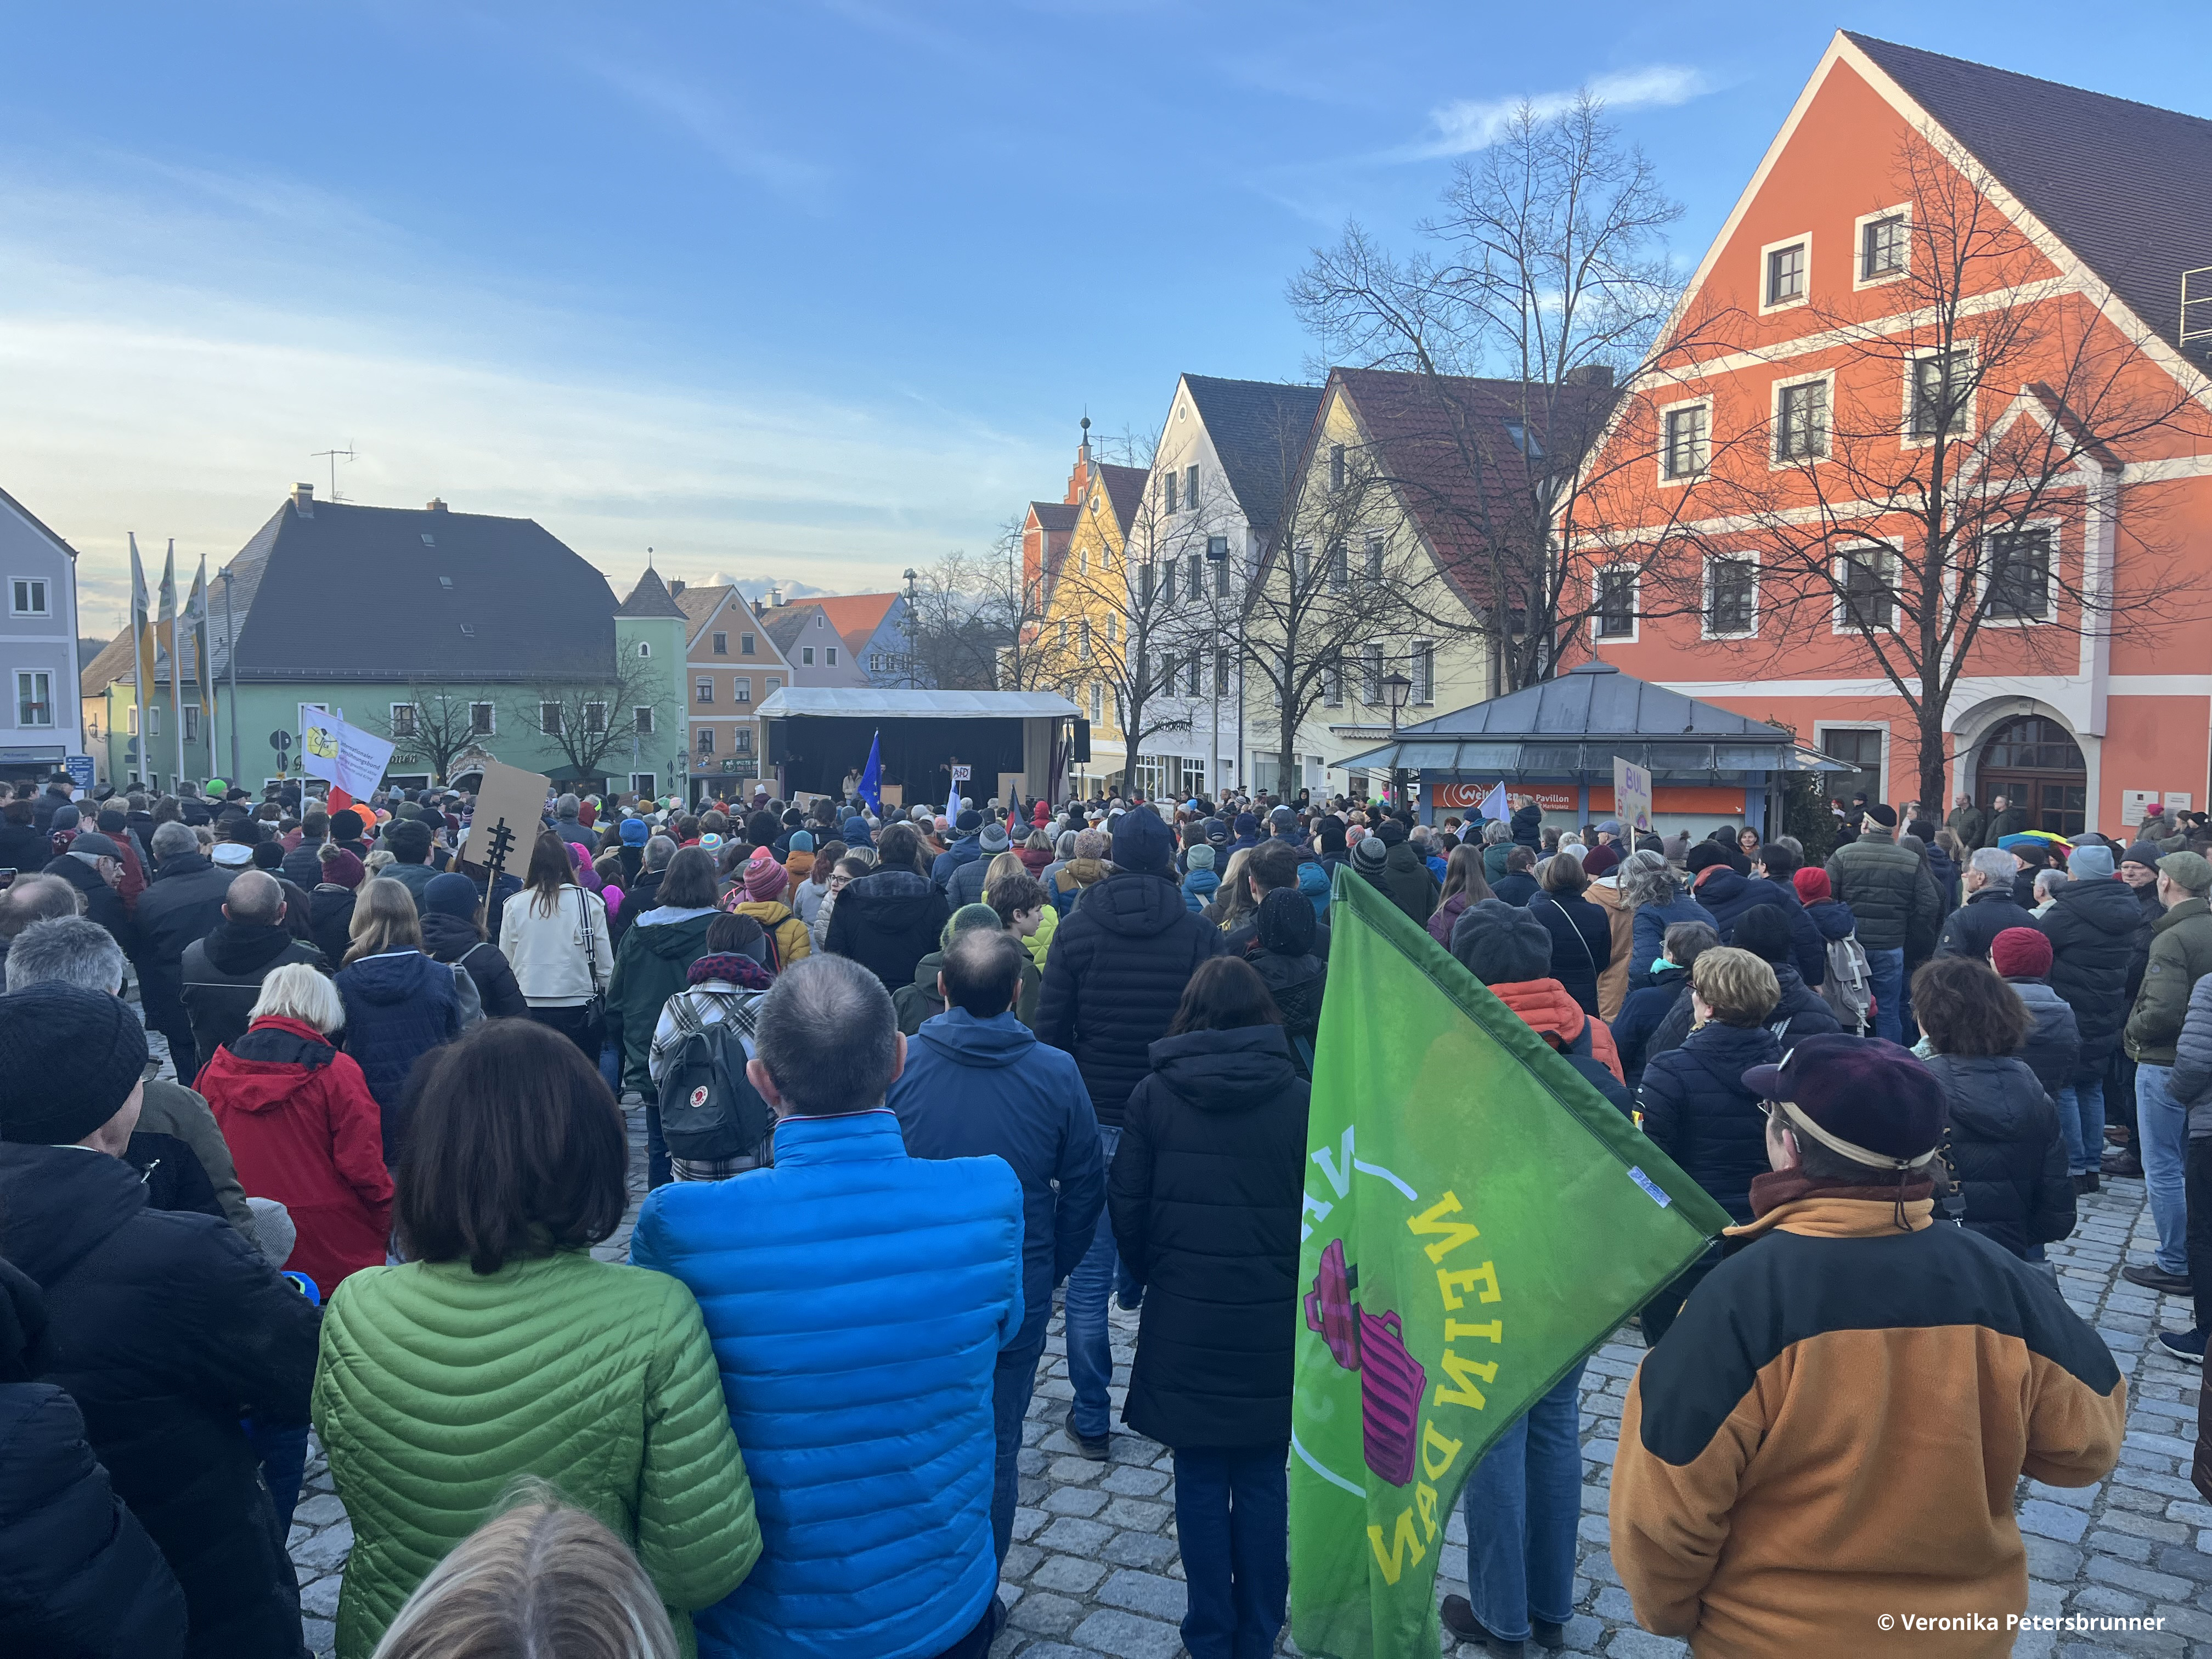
[{"x": 764, "y": 878}]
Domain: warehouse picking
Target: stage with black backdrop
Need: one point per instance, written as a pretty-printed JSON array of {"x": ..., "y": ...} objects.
[{"x": 818, "y": 751}]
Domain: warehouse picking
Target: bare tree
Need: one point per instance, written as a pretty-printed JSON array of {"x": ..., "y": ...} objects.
[
  {"x": 1547, "y": 272},
  {"x": 588, "y": 720},
  {"x": 1941, "y": 491},
  {"x": 974, "y": 620},
  {"x": 434, "y": 726}
]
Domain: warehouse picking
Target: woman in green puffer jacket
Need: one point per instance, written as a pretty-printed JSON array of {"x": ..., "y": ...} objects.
[{"x": 504, "y": 1349}]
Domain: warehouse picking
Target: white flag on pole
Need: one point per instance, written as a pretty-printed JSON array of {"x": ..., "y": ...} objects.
[
  {"x": 343, "y": 755},
  {"x": 1494, "y": 804}
]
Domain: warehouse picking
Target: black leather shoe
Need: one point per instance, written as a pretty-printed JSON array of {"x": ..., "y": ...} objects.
[
  {"x": 2086, "y": 1183},
  {"x": 1459, "y": 1618},
  {"x": 2123, "y": 1163},
  {"x": 1092, "y": 1446},
  {"x": 2152, "y": 1277}
]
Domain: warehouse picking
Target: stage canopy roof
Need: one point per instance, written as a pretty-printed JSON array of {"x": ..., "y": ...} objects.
[
  {"x": 871, "y": 702},
  {"x": 1571, "y": 727}
]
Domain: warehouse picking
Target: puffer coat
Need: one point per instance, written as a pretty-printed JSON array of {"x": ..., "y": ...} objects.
[
  {"x": 1889, "y": 889},
  {"x": 873, "y": 1466},
  {"x": 1582, "y": 943},
  {"x": 2095, "y": 928},
  {"x": 1204, "y": 1195},
  {"x": 2003, "y": 1151},
  {"x": 1115, "y": 977},
  {"x": 438, "y": 1385},
  {"x": 887, "y": 921},
  {"x": 82, "y": 1578},
  {"x": 1697, "y": 1110},
  {"x": 651, "y": 965},
  {"x": 2053, "y": 1050}
]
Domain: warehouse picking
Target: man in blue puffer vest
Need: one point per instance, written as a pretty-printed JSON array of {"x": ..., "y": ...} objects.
[{"x": 857, "y": 1300}]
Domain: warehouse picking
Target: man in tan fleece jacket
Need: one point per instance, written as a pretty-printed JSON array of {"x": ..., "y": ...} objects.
[{"x": 1830, "y": 1435}]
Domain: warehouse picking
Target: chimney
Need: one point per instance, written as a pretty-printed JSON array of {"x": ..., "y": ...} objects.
[
  {"x": 303, "y": 500},
  {"x": 674, "y": 588},
  {"x": 760, "y": 609},
  {"x": 435, "y": 504},
  {"x": 776, "y": 598},
  {"x": 1591, "y": 374}
]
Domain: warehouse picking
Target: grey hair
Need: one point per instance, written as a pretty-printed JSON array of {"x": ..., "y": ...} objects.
[
  {"x": 174, "y": 838},
  {"x": 567, "y": 806},
  {"x": 1646, "y": 877},
  {"x": 297, "y": 991},
  {"x": 827, "y": 1035},
  {"x": 1995, "y": 863},
  {"x": 254, "y": 898},
  {"x": 2048, "y": 880},
  {"x": 658, "y": 851},
  {"x": 1497, "y": 833},
  {"x": 30, "y": 899},
  {"x": 68, "y": 951},
  {"x": 1795, "y": 846}
]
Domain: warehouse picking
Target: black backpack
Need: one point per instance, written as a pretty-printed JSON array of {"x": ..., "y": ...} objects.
[{"x": 710, "y": 1108}]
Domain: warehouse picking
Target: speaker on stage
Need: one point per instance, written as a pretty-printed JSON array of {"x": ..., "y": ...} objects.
[{"x": 1080, "y": 747}]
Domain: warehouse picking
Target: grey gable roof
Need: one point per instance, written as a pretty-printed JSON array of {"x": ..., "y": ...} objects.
[
  {"x": 1259, "y": 428},
  {"x": 2122, "y": 184},
  {"x": 353, "y": 593},
  {"x": 650, "y": 598}
]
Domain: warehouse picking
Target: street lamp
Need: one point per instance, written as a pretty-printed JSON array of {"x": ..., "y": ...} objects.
[
  {"x": 911, "y": 623},
  {"x": 1398, "y": 688}
]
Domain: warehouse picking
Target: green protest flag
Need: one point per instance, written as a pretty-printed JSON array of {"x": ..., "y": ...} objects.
[{"x": 1477, "y": 1219}]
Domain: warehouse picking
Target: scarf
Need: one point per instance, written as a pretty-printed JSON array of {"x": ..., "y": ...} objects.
[
  {"x": 1770, "y": 1191},
  {"x": 734, "y": 968}
]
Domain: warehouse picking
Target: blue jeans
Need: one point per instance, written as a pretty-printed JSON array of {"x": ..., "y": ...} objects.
[
  {"x": 2082, "y": 1121},
  {"x": 1886, "y": 972},
  {"x": 2162, "y": 1124},
  {"x": 1233, "y": 1521},
  {"x": 1012, "y": 1382},
  {"x": 1089, "y": 1356},
  {"x": 1522, "y": 1505},
  {"x": 283, "y": 1452},
  {"x": 610, "y": 1059}
]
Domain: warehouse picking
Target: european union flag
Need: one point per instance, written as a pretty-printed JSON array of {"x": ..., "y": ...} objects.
[{"x": 872, "y": 778}]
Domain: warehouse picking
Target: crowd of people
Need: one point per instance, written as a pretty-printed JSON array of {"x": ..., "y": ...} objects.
[{"x": 905, "y": 1078}]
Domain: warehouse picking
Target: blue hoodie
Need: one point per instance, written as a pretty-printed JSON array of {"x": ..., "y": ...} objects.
[
  {"x": 966, "y": 850},
  {"x": 857, "y": 1300},
  {"x": 1199, "y": 887},
  {"x": 1313, "y": 882},
  {"x": 980, "y": 1088}
]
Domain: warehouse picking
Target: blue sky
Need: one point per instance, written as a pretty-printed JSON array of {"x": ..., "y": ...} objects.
[{"x": 803, "y": 290}]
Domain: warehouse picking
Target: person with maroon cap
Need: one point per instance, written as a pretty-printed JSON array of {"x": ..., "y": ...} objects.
[{"x": 1816, "y": 1439}]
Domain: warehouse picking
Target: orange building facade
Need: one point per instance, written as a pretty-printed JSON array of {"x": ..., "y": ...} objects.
[{"x": 1934, "y": 411}]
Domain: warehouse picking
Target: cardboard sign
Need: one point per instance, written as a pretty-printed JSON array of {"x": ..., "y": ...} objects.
[
  {"x": 510, "y": 796},
  {"x": 1631, "y": 797},
  {"x": 961, "y": 774}
]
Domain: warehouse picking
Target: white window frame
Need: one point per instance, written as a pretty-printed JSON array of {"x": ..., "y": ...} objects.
[
  {"x": 27, "y": 686},
  {"x": 1839, "y": 621},
  {"x": 1373, "y": 661},
  {"x": 703, "y": 739},
  {"x": 743, "y": 740},
  {"x": 830, "y": 655},
  {"x": 1421, "y": 669},
  {"x": 642, "y": 720},
  {"x": 745, "y": 646},
  {"x": 1332, "y": 683},
  {"x": 406, "y": 719},
  {"x": 806, "y": 656},
  {"x": 1635, "y": 603},
  {"x": 152, "y": 713},
  {"x": 702, "y": 691},
  {"x": 741, "y": 689},
  {"x": 490, "y": 727},
  {"x": 1908, "y": 437},
  {"x": 1860, "y": 280},
  {"x": 1776, "y": 461},
  {"x": 1098, "y": 703},
  {"x": 645, "y": 784},
  {"x": 1822, "y": 728},
  {"x": 1766, "y": 265},
  {"x": 2051, "y": 526},
  {"x": 1705, "y": 631},
  {"x": 1676, "y": 480},
  {"x": 44, "y": 591},
  {"x": 595, "y": 718},
  {"x": 552, "y": 718},
  {"x": 645, "y": 647},
  {"x": 720, "y": 644},
  {"x": 191, "y": 723}
]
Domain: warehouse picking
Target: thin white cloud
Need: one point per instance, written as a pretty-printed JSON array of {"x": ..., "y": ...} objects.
[
  {"x": 714, "y": 127},
  {"x": 1466, "y": 125}
]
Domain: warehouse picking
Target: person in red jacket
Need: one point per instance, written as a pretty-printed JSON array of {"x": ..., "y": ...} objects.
[{"x": 303, "y": 1127}]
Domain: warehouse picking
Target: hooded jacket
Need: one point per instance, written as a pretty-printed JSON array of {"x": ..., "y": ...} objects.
[
  {"x": 439, "y": 1385},
  {"x": 102, "y": 903},
  {"x": 1586, "y": 1044},
  {"x": 330, "y": 907},
  {"x": 1075, "y": 877},
  {"x": 1727, "y": 895},
  {"x": 2095, "y": 927},
  {"x": 2053, "y": 1048},
  {"x": 183, "y": 904},
  {"x": 1199, "y": 887},
  {"x": 1819, "y": 1433},
  {"x": 399, "y": 1006},
  {"x": 965, "y": 850},
  {"x": 1801, "y": 1012},
  {"x": 1697, "y": 1110},
  {"x": 1645, "y": 1009},
  {"x": 1115, "y": 977},
  {"x": 640, "y": 893},
  {"x": 1613, "y": 983},
  {"x": 1406, "y": 879},
  {"x": 1648, "y": 939},
  {"x": 83, "y": 1578},
  {"x": 304, "y": 1130},
  {"x": 223, "y": 975},
  {"x": 2180, "y": 955},
  {"x": 873, "y": 1478},
  {"x": 1970, "y": 930},
  {"x": 166, "y": 1328},
  {"x": 2004, "y": 1153},
  {"x": 454, "y": 942},
  {"x": 779, "y": 921},
  {"x": 1205, "y": 1194},
  {"x": 548, "y": 955},
  {"x": 986, "y": 1088},
  {"x": 652, "y": 964},
  {"x": 1528, "y": 825},
  {"x": 887, "y": 921}
]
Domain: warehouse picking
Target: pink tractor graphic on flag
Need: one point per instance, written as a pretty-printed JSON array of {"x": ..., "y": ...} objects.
[{"x": 1391, "y": 1381}]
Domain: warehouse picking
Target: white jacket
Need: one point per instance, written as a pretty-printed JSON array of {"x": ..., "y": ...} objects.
[{"x": 560, "y": 960}]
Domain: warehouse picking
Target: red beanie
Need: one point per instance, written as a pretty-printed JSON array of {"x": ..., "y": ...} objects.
[
  {"x": 2021, "y": 953},
  {"x": 1812, "y": 885}
]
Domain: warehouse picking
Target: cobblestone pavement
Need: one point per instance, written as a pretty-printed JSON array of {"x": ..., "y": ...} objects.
[{"x": 1094, "y": 1569}]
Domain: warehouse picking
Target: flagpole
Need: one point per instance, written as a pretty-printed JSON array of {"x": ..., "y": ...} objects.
[
  {"x": 230, "y": 652},
  {"x": 176, "y": 674}
]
